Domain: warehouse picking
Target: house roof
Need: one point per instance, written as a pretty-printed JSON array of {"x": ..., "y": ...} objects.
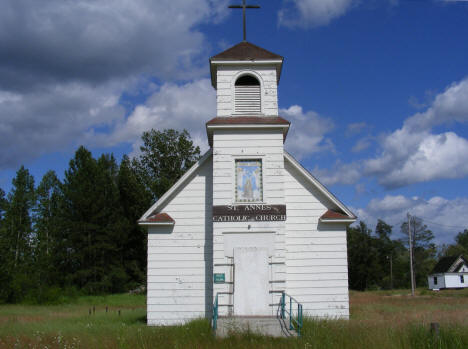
[
  {"x": 246, "y": 122},
  {"x": 342, "y": 215},
  {"x": 260, "y": 120},
  {"x": 449, "y": 264},
  {"x": 159, "y": 218},
  {"x": 245, "y": 51},
  {"x": 332, "y": 215}
]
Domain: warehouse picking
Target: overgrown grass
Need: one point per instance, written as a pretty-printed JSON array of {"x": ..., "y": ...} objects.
[{"x": 378, "y": 320}]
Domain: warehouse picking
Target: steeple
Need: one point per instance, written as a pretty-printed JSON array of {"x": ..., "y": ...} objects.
[{"x": 246, "y": 78}]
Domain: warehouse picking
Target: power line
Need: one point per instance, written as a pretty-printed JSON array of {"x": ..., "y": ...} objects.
[{"x": 443, "y": 225}]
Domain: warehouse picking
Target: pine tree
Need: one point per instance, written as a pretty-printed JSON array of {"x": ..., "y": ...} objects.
[
  {"x": 462, "y": 240},
  {"x": 385, "y": 250},
  {"x": 80, "y": 206},
  {"x": 48, "y": 237},
  {"x": 17, "y": 237},
  {"x": 4, "y": 277},
  {"x": 134, "y": 200},
  {"x": 112, "y": 235},
  {"x": 94, "y": 220},
  {"x": 364, "y": 268},
  {"x": 3, "y": 205}
]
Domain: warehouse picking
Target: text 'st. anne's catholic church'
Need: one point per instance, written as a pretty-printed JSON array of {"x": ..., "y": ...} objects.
[{"x": 247, "y": 222}]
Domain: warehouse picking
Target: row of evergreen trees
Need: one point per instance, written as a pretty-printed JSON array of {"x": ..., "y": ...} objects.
[{"x": 81, "y": 233}]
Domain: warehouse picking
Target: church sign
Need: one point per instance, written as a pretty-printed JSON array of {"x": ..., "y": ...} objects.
[{"x": 249, "y": 213}]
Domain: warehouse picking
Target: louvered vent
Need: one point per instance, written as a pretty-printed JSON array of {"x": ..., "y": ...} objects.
[{"x": 247, "y": 96}]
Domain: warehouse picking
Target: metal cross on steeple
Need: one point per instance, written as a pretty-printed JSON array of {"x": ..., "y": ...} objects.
[{"x": 243, "y": 7}]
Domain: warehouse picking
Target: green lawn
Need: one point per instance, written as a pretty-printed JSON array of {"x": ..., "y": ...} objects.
[{"x": 378, "y": 320}]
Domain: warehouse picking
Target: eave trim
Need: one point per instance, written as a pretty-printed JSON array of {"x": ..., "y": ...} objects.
[
  {"x": 176, "y": 186},
  {"x": 321, "y": 188}
]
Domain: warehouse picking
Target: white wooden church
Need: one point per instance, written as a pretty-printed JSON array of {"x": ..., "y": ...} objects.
[{"x": 247, "y": 222}]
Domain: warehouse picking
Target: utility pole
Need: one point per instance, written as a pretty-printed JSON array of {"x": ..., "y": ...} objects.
[{"x": 411, "y": 253}]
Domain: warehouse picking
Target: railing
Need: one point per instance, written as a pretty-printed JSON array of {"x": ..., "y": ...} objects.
[
  {"x": 295, "y": 322},
  {"x": 214, "y": 322}
]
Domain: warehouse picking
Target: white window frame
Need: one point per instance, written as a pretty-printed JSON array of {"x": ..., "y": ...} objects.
[{"x": 256, "y": 75}]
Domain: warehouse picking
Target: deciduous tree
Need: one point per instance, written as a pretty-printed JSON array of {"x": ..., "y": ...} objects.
[{"x": 165, "y": 157}]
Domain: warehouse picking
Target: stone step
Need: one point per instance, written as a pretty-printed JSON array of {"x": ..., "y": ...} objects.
[{"x": 267, "y": 326}]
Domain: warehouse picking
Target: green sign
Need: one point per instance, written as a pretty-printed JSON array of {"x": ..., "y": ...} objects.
[{"x": 219, "y": 278}]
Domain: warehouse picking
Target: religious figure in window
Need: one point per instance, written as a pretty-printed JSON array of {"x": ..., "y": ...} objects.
[{"x": 249, "y": 181}]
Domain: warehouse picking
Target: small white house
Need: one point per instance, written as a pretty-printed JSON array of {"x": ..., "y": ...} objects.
[
  {"x": 449, "y": 272},
  {"x": 247, "y": 222}
]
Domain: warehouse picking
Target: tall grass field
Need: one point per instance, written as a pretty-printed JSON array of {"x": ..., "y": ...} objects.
[{"x": 378, "y": 320}]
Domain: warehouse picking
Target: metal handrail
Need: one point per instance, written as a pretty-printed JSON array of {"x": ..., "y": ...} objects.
[
  {"x": 295, "y": 323},
  {"x": 214, "y": 323}
]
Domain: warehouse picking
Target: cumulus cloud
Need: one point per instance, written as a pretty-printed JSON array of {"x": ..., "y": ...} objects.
[
  {"x": 307, "y": 133},
  {"x": 342, "y": 173},
  {"x": 443, "y": 216},
  {"x": 100, "y": 39},
  {"x": 186, "y": 106},
  {"x": 414, "y": 154},
  {"x": 69, "y": 63},
  {"x": 312, "y": 13},
  {"x": 355, "y": 128},
  {"x": 52, "y": 118}
]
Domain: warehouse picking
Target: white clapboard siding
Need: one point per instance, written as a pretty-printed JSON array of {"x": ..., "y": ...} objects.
[
  {"x": 316, "y": 255},
  {"x": 226, "y": 89},
  {"x": 228, "y": 146},
  {"x": 180, "y": 257}
]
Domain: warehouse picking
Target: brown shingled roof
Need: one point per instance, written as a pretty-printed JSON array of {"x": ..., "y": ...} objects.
[
  {"x": 160, "y": 218},
  {"x": 245, "y": 51},
  {"x": 242, "y": 120},
  {"x": 330, "y": 215},
  {"x": 246, "y": 121}
]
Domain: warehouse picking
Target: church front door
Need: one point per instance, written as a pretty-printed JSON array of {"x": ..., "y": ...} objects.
[{"x": 251, "y": 296}]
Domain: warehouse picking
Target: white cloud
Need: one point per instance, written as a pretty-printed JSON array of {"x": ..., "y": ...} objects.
[
  {"x": 53, "y": 118},
  {"x": 355, "y": 128},
  {"x": 312, "y": 13},
  {"x": 340, "y": 173},
  {"x": 66, "y": 64},
  {"x": 307, "y": 133},
  {"x": 101, "y": 39},
  {"x": 361, "y": 144},
  {"x": 443, "y": 216},
  {"x": 414, "y": 154},
  {"x": 187, "y": 106}
]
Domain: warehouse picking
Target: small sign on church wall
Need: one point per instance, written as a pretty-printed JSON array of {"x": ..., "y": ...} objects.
[
  {"x": 219, "y": 278},
  {"x": 249, "y": 213}
]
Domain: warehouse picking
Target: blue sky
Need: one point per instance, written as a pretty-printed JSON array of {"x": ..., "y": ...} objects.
[{"x": 377, "y": 91}]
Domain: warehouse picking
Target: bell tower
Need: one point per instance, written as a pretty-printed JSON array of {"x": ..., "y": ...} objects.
[
  {"x": 246, "y": 79},
  {"x": 249, "y": 209}
]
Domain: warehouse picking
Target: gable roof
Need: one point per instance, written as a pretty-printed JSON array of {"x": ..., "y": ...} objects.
[
  {"x": 345, "y": 216},
  {"x": 158, "y": 219},
  {"x": 449, "y": 264},
  {"x": 335, "y": 217},
  {"x": 246, "y": 51}
]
